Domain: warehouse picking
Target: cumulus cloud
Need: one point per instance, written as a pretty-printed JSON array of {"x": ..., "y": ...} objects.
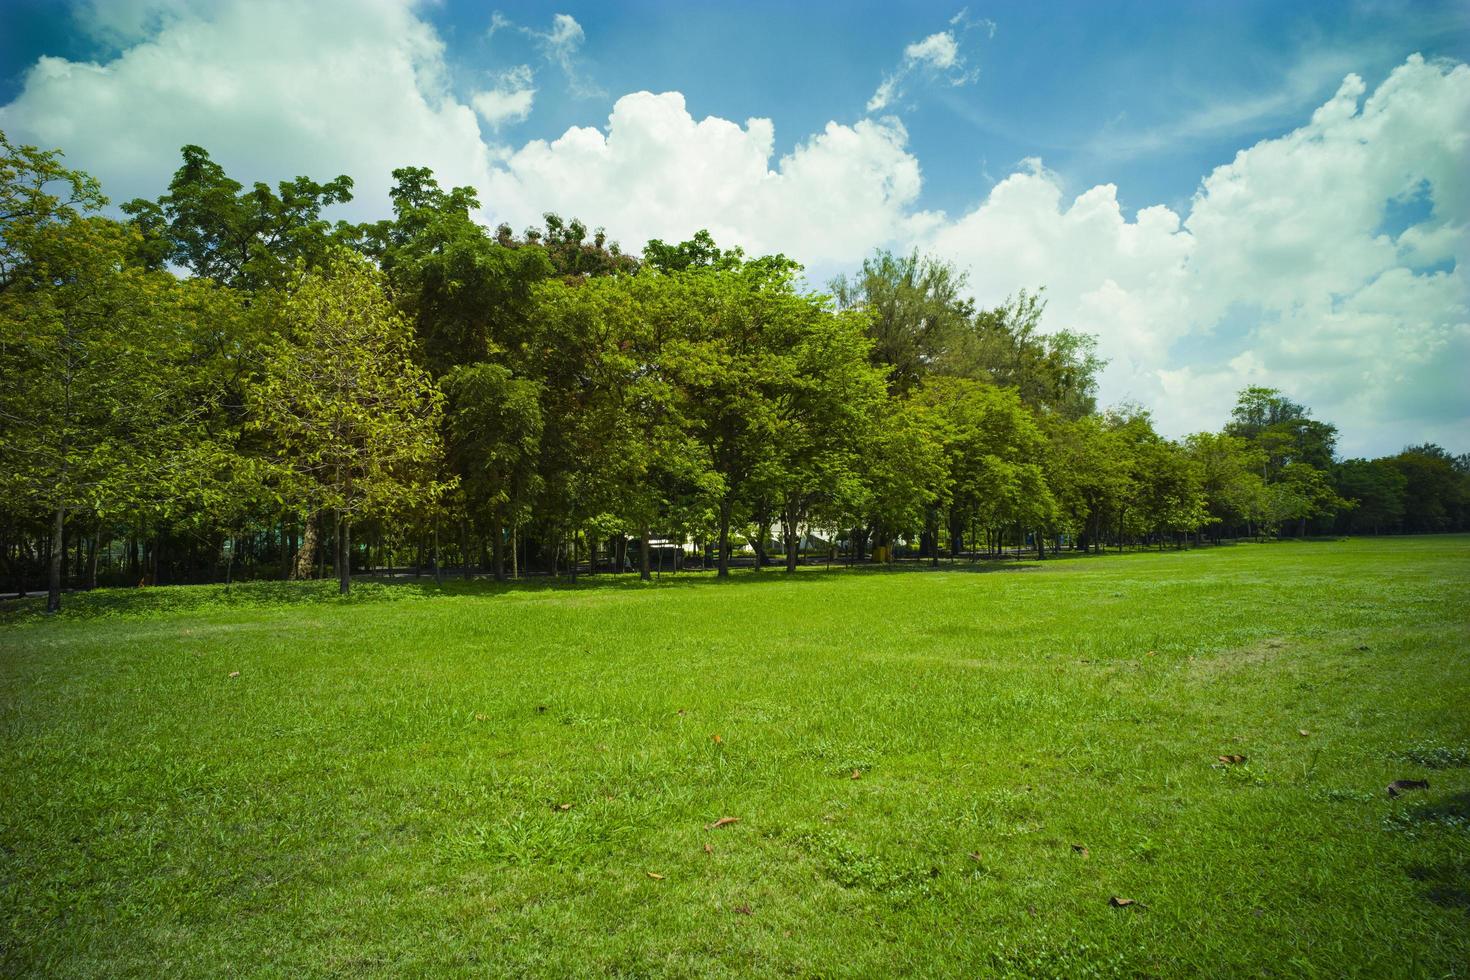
[
  {"x": 509, "y": 101},
  {"x": 657, "y": 172},
  {"x": 1282, "y": 273},
  {"x": 936, "y": 56},
  {"x": 272, "y": 88}
]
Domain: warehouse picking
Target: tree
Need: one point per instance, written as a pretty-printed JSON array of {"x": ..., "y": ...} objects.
[
  {"x": 1230, "y": 477},
  {"x": 91, "y": 355},
  {"x": 1376, "y": 488},
  {"x": 993, "y": 452},
  {"x": 1283, "y": 429},
  {"x": 37, "y": 193},
  {"x": 1053, "y": 373},
  {"x": 209, "y": 224},
  {"x": 494, "y": 428},
  {"x": 916, "y": 312},
  {"x": 352, "y": 419},
  {"x": 1436, "y": 494}
]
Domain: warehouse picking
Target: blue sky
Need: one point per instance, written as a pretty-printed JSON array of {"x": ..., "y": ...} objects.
[{"x": 1091, "y": 148}]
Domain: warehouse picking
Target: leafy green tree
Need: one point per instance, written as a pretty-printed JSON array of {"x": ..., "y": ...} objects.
[
  {"x": 353, "y": 421},
  {"x": 211, "y": 225},
  {"x": 468, "y": 296},
  {"x": 905, "y": 476},
  {"x": 1376, "y": 489},
  {"x": 1283, "y": 429},
  {"x": 1230, "y": 474},
  {"x": 36, "y": 193},
  {"x": 1436, "y": 494},
  {"x": 993, "y": 451},
  {"x": 916, "y": 309},
  {"x": 1053, "y": 373},
  {"x": 494, "y": 428},
  {"x": 91, "y": 356}
]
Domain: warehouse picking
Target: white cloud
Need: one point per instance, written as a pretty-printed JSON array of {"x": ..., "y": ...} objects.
[
  {"x": 936, "y": 56},
  {"x": 937, "y": 50},
  {"x": 271, "y": 88},
  {"x": 659, "y": 173},
  {"x": 1282, "y": 273},
  {"x": 509, "y": 101},
  {"x": 560, "y": 45}
]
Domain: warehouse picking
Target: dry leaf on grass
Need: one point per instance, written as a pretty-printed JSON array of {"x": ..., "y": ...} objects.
[
  {"x": 722, "y": 822},
  {"x": 1081, "y": 849},
  {"x": 1121, "y": 903},
  {"x": 975, "y": 856},
  {"x": 234, "y": 673},
  {"x": 709, "y": 848},
  {"x": 857, "y": 774},
  {"x": 1399, "y": 785},
  {"x": 743, "y": 909},
  {"x": 717, "y": 740},
  {"x": 654, "y": 875},
  {"x": 1231, "y": 760},
  {"x": 561, "y": 806},
  {"x": 1303, "y": 732}
]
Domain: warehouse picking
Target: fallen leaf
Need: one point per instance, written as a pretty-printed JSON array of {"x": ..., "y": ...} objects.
[
  {"x": 1121, "y": 903},
  {"x": 234, "y": 673},
  {"x": 1081, "y": 849},
  {"x": 481, "y": 717},
  {"x": 1231, "y": 760},
  {"x": 709, "y": 848},
  {"x": 1399, "y": 785},
  {"x": 975, "y": 856},
  {"x": 562, "y": 806},
  {"x": 722, "y": 822},
  {"x": 681, "y": 712},
  {"x": 717, "y": 740},
  {"x": 744, "y": 909},
  {"x": 654, "y": 875},
  {"x": 857, "y": 774},
  {"x": 1150, "y": 653},
  {"x": 1303, "y": 732}
]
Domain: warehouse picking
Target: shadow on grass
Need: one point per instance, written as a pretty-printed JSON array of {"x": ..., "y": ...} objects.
[{"x": 170, "y": 600}]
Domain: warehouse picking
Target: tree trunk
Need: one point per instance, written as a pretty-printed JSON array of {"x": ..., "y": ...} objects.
[
  {"x": 793, "y": 542},
  {"x": 321, "y": 552},
  {"x": 723, "y": 568},
  {"x": 1040, "y": 545},
  {"x": 92, "y": 556},
  {"x": 53, "y": 588},
  {"x": 464, "y": 549},
  {"x": 344, "y": 557},
  {"x": 438, "y": 564},
  {"x": 643, "y": 555},
  {"x": 306, "y": 556},
  {"x": 497, "y": 548}
]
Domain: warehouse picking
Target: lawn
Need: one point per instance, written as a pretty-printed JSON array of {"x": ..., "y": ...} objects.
[{"x": 933, "y": 773}]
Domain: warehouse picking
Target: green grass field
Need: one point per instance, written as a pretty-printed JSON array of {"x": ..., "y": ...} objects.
[{"x": 519, "y": 781}]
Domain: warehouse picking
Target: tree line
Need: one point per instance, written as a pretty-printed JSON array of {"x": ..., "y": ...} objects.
[{"x": 223, "y": 383}]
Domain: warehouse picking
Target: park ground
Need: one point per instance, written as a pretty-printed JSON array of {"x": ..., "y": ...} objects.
[{"x": 948, "y": 772}]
